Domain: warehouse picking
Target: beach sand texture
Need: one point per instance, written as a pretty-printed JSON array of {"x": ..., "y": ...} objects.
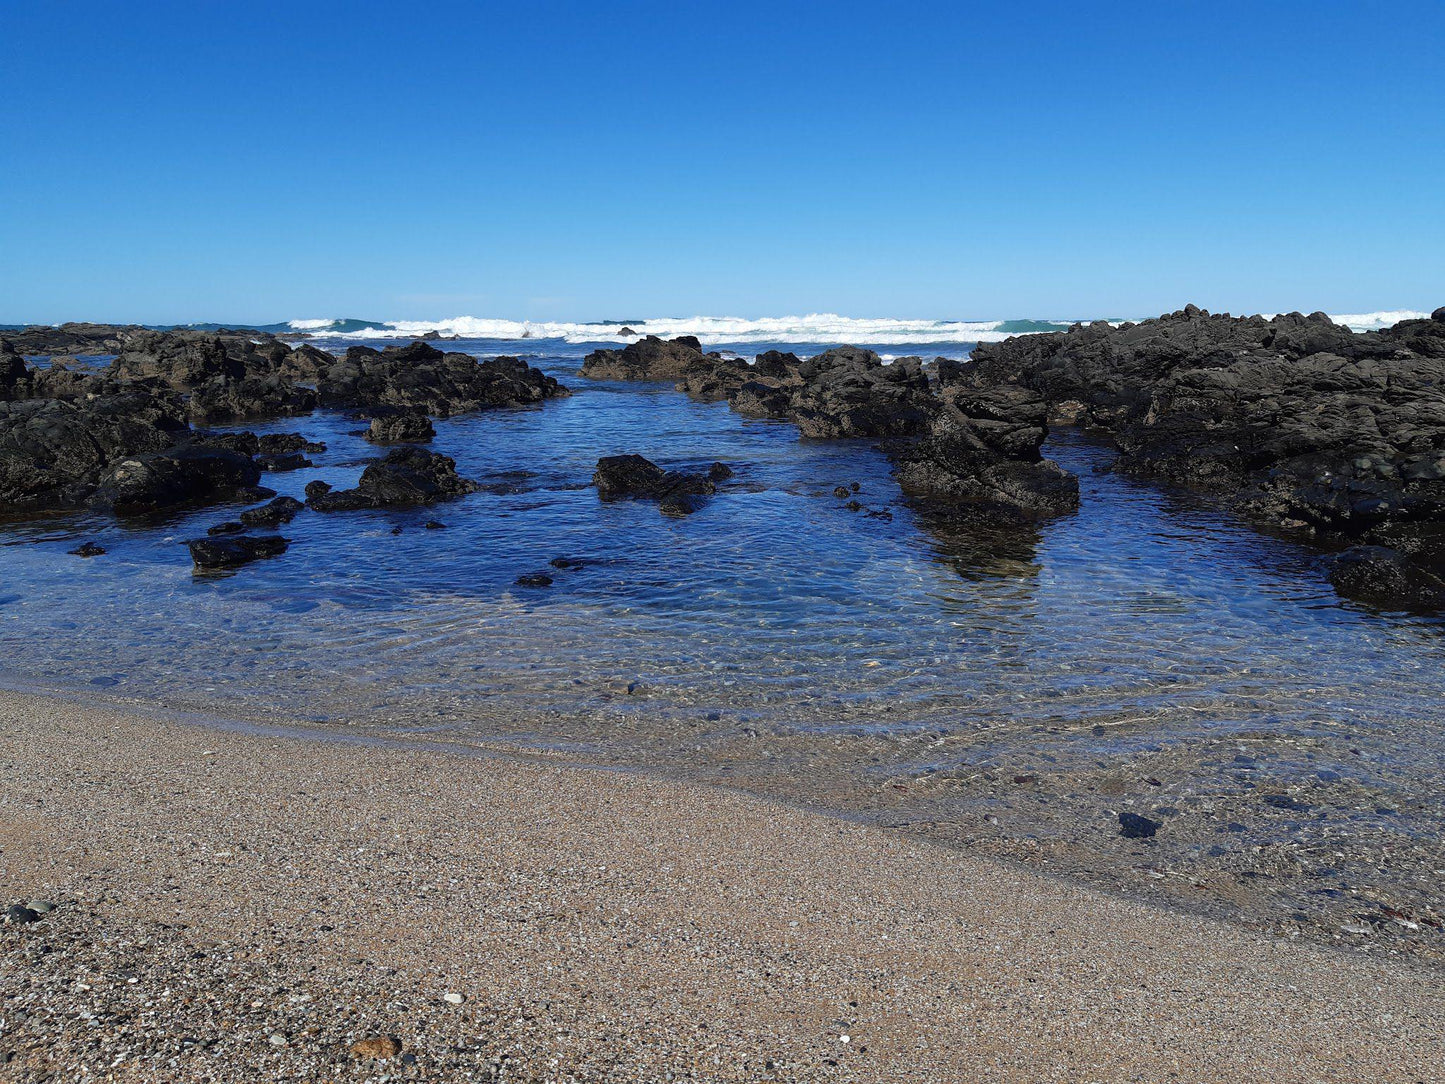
[{"x": 238, "y": 906}]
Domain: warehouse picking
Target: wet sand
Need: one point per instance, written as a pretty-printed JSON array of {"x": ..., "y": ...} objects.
[{"x": 236, "y": 906}]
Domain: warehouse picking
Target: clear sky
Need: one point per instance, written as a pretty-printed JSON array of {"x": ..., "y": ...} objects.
[{"x": 260, "y": 161}]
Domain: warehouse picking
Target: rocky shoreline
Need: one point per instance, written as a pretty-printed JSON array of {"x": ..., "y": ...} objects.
[{"x": 1304, "y": 426}]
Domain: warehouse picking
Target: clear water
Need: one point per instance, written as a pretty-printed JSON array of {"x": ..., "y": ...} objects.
[{"x": 893, "y": 668}]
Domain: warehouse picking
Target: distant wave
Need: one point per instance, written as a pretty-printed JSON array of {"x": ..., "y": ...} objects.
[
  {"x": 714, "y": 330},
  {"x": 710, "y": 330}
]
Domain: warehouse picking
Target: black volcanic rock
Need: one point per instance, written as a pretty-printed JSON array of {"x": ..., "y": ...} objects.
[
  {"x": 649, "y": 358},
  {"x": 632, "y": 477},
  {"x": 1386, "y": 578},
  {"x": 404, "y": 477},
  {"x": 279, "y": 511},
  {"x": 1302, "y": 424},
  {"x": 981, "y": 455},
  {"x": 402, "y": 427},
  {"x": 422, "y": 379},
  {"x": 220, "y": 553},
  {"x": 188, "y": 473}
]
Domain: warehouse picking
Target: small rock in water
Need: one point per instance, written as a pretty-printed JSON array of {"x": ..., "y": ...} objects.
[
  {"x": 88, "y": 549},
  {"x": 1133, "y": 826},
  {"x": 567, "y": 562},
  {"x": 534, "y": 579},
  {"x": 229, "y": 527},
  {"x": 317, "y": 488},
  {"x": 210, "y": 553},
  {"x": 435, "y": 525},
  {"x": 842, "y": 492},
  {"x": 719, "y": 471},
  {"x": 18, "y": 914}
]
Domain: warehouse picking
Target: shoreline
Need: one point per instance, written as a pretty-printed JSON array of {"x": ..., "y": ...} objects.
[{"x": 597, "y": 925}]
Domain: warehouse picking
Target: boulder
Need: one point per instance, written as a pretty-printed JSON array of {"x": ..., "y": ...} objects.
[
  {"x": 220, "y": 553},
  {"x": 403, "y": 427},
  {"x": 632, "y": 477},
  {"x": 184, "y": 474},
  {"x": 279, "y": 511},
  {"x": 404, "y": 477},
  {"x": 422, "y": 379}
]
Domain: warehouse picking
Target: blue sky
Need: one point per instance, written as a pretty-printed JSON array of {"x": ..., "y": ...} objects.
[{"x": 256, "y": 162}]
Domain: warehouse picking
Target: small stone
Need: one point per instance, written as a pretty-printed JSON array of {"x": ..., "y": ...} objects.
[
  {"x": 41, "y": 907},
  {"x": 18, "y": 914},
  {"x": 377, "y": 1046},
  {"x": 277, "y": 1039},
  {"x": 534, "y": 579},
  {"x": 88, "y": 549},
  {"x": 452, "y": 998},
  {"x": 1133, "y": 826}
]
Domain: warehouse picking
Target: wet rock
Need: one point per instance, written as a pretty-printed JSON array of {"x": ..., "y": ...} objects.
[
  {"x": 1386, "y": 578},
  {"x": 232, "y": 552},
  {"x": 1299, "y": 422},
  {"x": 282, "y": 443},
  {"x": 229, "y": 527},
  {"x": 317, "y": 488},
  {"x": 189, "y": 473},
  {"x": 401, "y": 428},
  {"x": 719, "y": 472},
  {"x": 404, "y": 477},
  {"x": 88, "y": 549},
  {"x": 842, "y": 492},
  {"x": 849, "y": 392},
  {"x": 650, "y": 358},
  {"x": 533, "y": 579},
  {"x": 435, "y": 525},
  {"x": 1133, "y": 826},
  {"x": 632, "y": 477},
  {"x": 422, "y": 379},
  {"x": 625, "y": 331},
  {"x": 279, "y": 511},
  {"x": 981, "y": 455},
  {"x": 283, "y": 461}
]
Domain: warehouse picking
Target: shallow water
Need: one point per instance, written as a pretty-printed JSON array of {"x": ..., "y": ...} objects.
[{"x": 1013, "y": 694}]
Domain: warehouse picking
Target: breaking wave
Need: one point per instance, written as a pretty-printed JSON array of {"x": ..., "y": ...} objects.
[{"x": 821, "y": 328}]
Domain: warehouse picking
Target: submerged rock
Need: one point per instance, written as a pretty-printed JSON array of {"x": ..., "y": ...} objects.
[
  {"x": 87, "y": 549},
  {"x": 404, "y": 477},
  {"x": 216, "y": 553},
  {"x": 1133, "y": 826},
  {"x": 632, "y": 477},
  {"x": 279, "y": 511},
  {"x": 1386, "y": 578}
]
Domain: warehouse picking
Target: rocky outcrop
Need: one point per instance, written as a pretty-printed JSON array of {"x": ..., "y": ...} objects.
[
  {"x": 649, "y": 358},
  {"x": 401, "y": 427},
  {"x": 422, "y": 379},
  {"x": 185, "y": 474},
  {"x": 1302, "y": 424},
  {"x": 279, "y": 511},
  {"x": 73, "y": 340},
  {"x": 53, "y": 453},
  {"x": 981, "y": 455},
  {"x": 404, "y": 477},
  {"x": 632, "y": 477}
]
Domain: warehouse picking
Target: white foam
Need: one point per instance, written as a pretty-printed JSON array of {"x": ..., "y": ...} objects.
[
  {"x": 710, "y": 330},
  {"x": 1374, "y": 321}
]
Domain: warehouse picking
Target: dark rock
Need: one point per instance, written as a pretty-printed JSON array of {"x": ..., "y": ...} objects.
[
  {"x": 183, "y": 474},
  {"x": 1386, "y": 578},
  {"x": 404, "y": 477},
  {"x": 282, "y": 443},
  {"x": 1133, "y": 826},
  {"x": 435, "y": 525},
  {"x": 719, "y": 472},
  {"x": 215, "y": 553},
  {"x": 842, "y": 492},
  {"x": 534, "y": 579},
  {"x": 229, "y": 527},
  {"x": 281, "y": 510},
  {"x": 650, "y": 358},
  {"x": 422, "y": 379},
  {"x": 19, "y": 915},
  {"x": 567, "y": 562},
  {"x": 401, "y": 428},
  {"x": 849, "y": 392},
  {"x": 629, "y": 477},
  {"x": 282, "y": 461},
  {"x": 625, "y": 331},
  {"x": 88, "y": 549},
  {"x": 317, "y": 488}
]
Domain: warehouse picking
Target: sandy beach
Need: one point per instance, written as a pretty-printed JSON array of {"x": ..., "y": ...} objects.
[{"x": 235, "y": 906}]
